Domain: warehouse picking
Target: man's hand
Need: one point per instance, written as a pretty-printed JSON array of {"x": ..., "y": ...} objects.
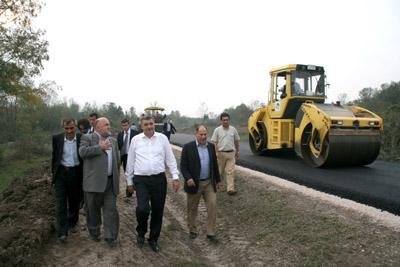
[
  {"x": 220, "y": 186},
  {"x": 104, "y": 145},
  {"x": 190, "y": 183},
  {"x": 218, "y": 154},
  {"x": 131, "y": 189},
  {"x": 175, "y": 185},
  {"x": 236, "y": 154}
]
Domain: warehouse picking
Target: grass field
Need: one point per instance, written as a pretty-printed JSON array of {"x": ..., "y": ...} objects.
[{"x": 12, "y": 166}]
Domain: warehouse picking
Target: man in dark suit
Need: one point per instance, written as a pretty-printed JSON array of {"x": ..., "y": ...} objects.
[
  {"x": 67, "y": 178},
  {"x": 199, "y": 168},
  {"x": 92, "y": 119},
  {"x": 124, "y": 140},
  {"x": 168, "y": 129}
]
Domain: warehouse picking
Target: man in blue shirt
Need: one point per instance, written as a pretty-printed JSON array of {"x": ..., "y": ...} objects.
[{"x": 199, "y": 168}]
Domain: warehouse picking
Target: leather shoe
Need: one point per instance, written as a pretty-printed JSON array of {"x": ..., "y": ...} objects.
[
  {"x": 62, "y": 239},
  {"x": 212, "y": 238},
  {"x": 231, "y": 193},
  {"x": 73, "y": 229},
  {"x": 140, "y": 241},
  {"x": 153, "y": 245},
  {"x": 111, "y": 242},
  {"x": 192, "y": 235},
  {"x": 95, "y": 238}
]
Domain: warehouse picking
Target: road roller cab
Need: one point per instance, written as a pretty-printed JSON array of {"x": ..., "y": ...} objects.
[
  {"x": 296, "y": 117},
  {"x": 159, "y": 117}
]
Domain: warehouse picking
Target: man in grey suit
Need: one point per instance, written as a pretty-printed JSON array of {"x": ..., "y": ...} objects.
[{"x": 100, "y": 155}]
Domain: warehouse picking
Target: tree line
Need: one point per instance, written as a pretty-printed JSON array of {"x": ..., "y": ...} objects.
[{"x": 30, "y": 113}]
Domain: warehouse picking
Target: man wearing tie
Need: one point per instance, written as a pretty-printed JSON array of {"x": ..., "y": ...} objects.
[
  {"x": 124, "y": 139},
  {"x": 101, "y": 181},
  {"x": 67, "y": 178},
  {"x": 92, "y": 119},
  {"x": 148, "y": 156}
]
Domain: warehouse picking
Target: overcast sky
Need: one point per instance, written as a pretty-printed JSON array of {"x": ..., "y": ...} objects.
[{"x": 183, "y": 53}]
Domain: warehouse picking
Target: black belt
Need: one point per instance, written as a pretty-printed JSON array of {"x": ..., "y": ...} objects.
[
  {"x": 161, "y": 174},
  {"x": 227, "y": 151},
  {"x": 68, "y": 168}
]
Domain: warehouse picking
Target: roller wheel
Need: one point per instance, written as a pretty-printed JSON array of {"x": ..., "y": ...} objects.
[
  {"x": 256, "y": 148},
  {"x": 340, "y": 149}
]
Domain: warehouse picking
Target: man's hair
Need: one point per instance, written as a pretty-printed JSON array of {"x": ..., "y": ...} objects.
[
  {"x": 84, "y": 122},
  {"x": 68, "y": 121},
  {"x": 124, "y": 121},
  {"x": 224, "y": 114},
  {"x": 94, "y": 114},
  {"x": 198, "y": 126},
  {"x": 146, "y": 118}
]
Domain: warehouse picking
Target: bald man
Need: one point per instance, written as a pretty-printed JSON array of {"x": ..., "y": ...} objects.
[{"x": 100, "y": 155}]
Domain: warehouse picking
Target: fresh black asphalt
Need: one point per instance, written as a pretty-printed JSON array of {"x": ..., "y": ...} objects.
[{"x": 377, "y": 184}]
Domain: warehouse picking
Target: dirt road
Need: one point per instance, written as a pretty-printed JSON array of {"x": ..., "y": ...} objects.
[{"x": 264, "y": 225}]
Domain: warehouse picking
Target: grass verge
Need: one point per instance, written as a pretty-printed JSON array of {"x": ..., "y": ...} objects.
[{"x": 14, "y": 167}]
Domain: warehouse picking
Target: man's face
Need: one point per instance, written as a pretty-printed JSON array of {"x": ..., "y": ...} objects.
[
  {"x": 125, "y": 126},
  {"x": 92, "y": 120},
  {"x": 225, "y": 121},
  {"x": 201, "y": 136},
  {"x": 69, "y": 130},
  {"x": 103, "y": 127},
  {"x": 147, "y": 127},
  {"x": 82, "y": 129}
]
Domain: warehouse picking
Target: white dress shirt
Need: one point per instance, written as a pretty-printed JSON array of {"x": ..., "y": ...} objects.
[
  {"x": 109, "y": 155},
  {"x": 149, "y": 156},
  {"x": 70, "y": 153}
]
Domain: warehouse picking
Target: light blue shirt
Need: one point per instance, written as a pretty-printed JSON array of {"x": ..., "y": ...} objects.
[
  {"x": 70, "y": 153},
  {"x": 109, "y": 154},
  {"x": 204, "y": 161}
]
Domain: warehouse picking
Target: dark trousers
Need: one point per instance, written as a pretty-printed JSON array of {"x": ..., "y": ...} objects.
[
  {"x": 124, "y": 160},
  {"x": 150, "y": 193},
  {"x": 68, "y": 189},
  {"x": 97, "y": 203},
  {"x": 167, "y": 134}
]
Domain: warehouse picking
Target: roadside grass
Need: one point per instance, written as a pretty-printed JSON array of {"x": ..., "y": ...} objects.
[
  {"x": 302, "y": 232},
  {"x": 10, "y": 166},
  {"x": 291, "y": 229}
]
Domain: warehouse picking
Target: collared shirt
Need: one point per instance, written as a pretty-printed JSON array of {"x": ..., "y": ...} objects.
[
  {"x": 70, "y": 153},
  {"x": 109, "y": 154},
  {"x": 126, "y": 135},
  {"x": 204, "y": 160},
  {"x": 225, "y": 138},
  {"x": 149, "y": 156}
]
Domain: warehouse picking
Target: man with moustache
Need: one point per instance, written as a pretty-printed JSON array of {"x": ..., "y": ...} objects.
[
  {"x": 67, "y": 178},
  {"x": 101, "y": 181}
]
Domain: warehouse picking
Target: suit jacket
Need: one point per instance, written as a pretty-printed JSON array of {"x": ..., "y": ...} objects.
[
  {"x": 120, "y": 138},
  {"x": 58, "y": 149},
  {"x": 190, "y": 166},
  {"x": 173, "y": 129},
  {"x": 95, "y": 164}
]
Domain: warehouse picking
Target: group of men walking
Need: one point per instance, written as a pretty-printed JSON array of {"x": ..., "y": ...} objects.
[{"x": 90, "y": 163}]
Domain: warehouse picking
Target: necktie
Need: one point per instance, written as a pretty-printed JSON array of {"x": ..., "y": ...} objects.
[{"x": 125, "y": 144}]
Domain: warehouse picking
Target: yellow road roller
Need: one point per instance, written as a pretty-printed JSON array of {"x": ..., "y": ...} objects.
[{"x": 297, "y": 117}]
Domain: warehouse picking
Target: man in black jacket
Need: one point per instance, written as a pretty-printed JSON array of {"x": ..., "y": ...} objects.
[
  {"x": 124, "y": 140},
  {"x": 199, "y": 168},
  {"x": 67, "y": 178}
]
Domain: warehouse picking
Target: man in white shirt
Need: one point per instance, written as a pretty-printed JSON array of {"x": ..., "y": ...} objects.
[{"x": 149, "y": 154}]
